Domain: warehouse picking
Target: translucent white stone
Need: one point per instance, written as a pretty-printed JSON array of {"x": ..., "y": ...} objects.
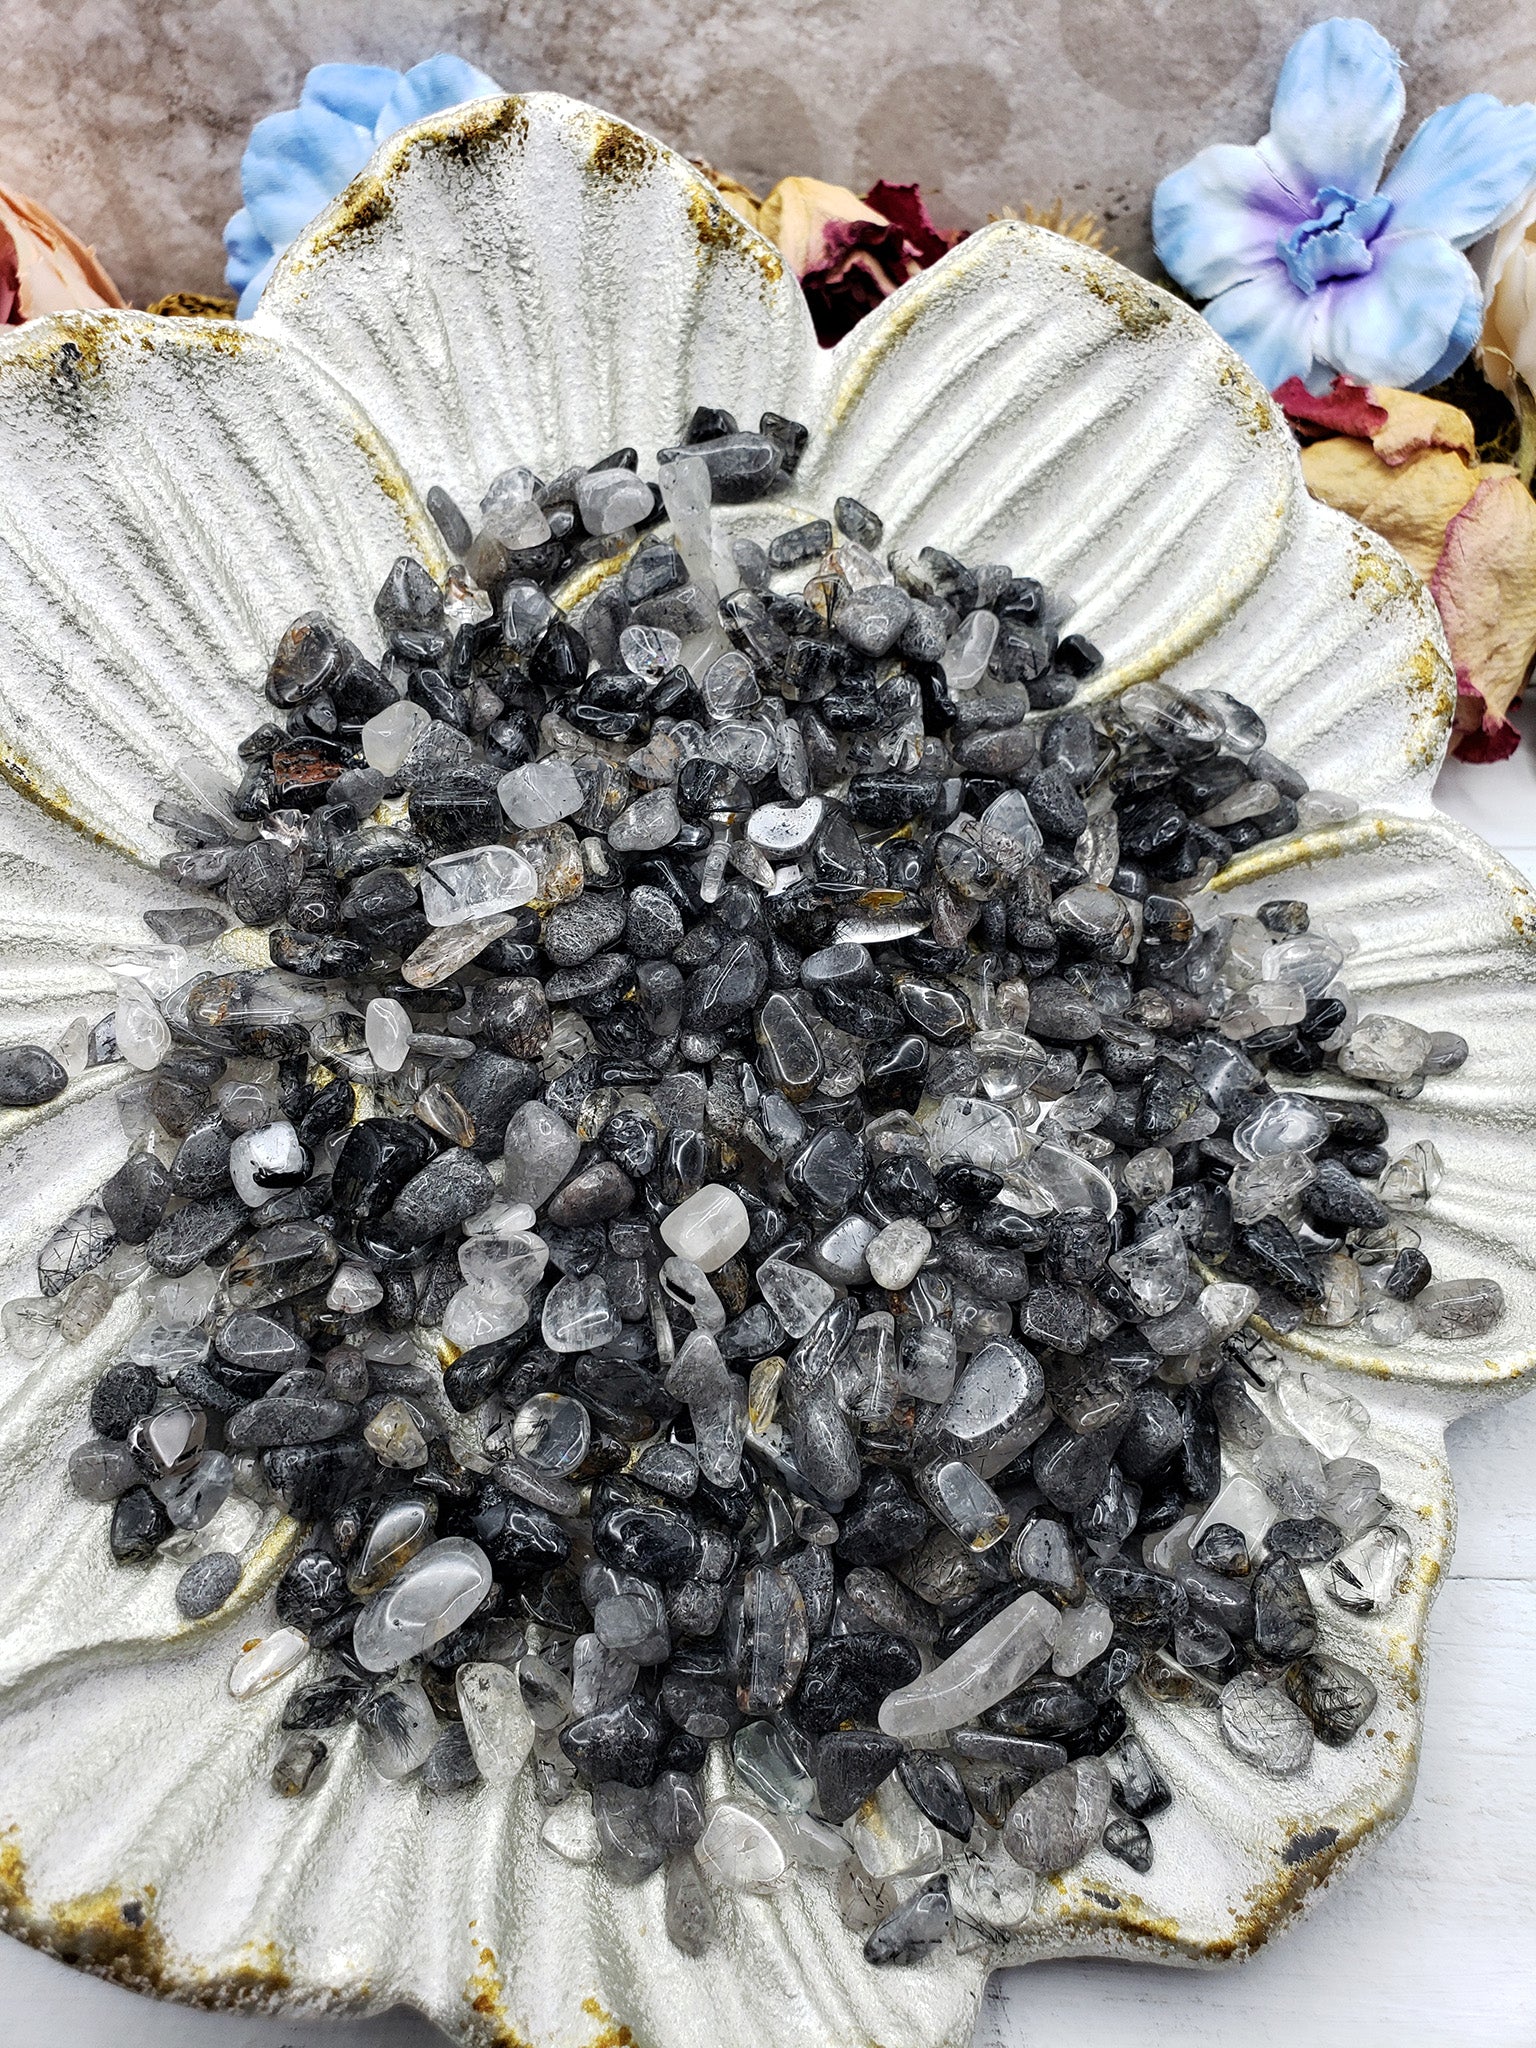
[
  {"x": 709, "y": 1228},
  {"x": 811, "y": 1842},
  {"x": 30, "y": 1323},
  {"x": 540, "y": 794},
  {"x": 483, "y": 882},
  {"x": 390, "y": 734},
  {"x": 399, "y": 1729},
  {"x": 496, "y": 1720},
  {"x": 1242, "y": 1506},
  {"x": 264, "y": 1660},
  {"x": 965, "y": 1127},
  {"x": 1270, "y": 1187},
  {"x": 354, "y": 1289},
  {"x": 649, "y": 651},
  {"x": 1155, "y": 1268},
  {"x": 143, "y": 1036},
  {"x": 985, "y": 1669},
  {"x": 1332, "y": 1420},
  {"x": 1384, "y": 1049},
  {"x": 1311, "y": 960},
  {"x": 1060, "y": 1818},
  {"x": 1225, "y": 1306},
  {"x": 1010, "y": 837},
  {"x": 1264, "y": 1727},
  {"x": 264, "y": 1161},
  {"x": 504, "y": 1266},
  {"x": 1409, "y": 1180},
  {"x": 1065, "y": 1180},
  {"x": 72, "y": 1047},
  {"x": 896, "y": 1256},
  {"x": 182, "y": 1302},
  {"x": 1367, "y": 1575},
  {"x": 740, "y": 1850},
  {"x": 387, "y": 1029},
  {"x": 798, "y": 1298},
  {"x": 437, "y": 1590},
  {"x": 551, "y": 1432},
  {"x": 608, "y": 500},
  {"x": 503, "y": 1220},
  {"x": 1084, "y": 1634},
  {"x": 1285, "y": 1123},
  {"x": 510, "y": 524},
  {"x": 891, "y": 1835},
  {"x": 541, "y": 1148},
  {"x": 1291, "y": 1473},
  {"x": 651, "y": 821},
  {"x": 578, "y": 1315},
  {"x": 970, "y": 649},
  {"x": 474, "y": 1317},
  {"x": 571, "y": 1832},
  {"x": 445, "y": 951}
]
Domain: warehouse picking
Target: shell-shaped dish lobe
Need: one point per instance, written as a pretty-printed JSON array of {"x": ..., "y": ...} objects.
[{"x": 528, "y": 279}]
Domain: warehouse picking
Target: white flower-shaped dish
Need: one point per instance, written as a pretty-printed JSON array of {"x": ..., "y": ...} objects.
[{"x": 528, "y": 279}]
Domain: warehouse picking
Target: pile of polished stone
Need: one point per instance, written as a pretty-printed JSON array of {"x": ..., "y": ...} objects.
[{"x": 838, "y": 1141}]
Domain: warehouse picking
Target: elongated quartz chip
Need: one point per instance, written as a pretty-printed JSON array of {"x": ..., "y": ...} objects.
[{"x": 985, "y": 1669}]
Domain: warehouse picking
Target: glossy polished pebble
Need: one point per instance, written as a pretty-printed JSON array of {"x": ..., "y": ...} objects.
[
  {"x": 711, "y": 1227},
  {"x": 424, "y": 1602}
]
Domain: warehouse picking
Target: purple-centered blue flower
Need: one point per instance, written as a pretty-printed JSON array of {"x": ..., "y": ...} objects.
[
  {"x": 1313, "y": 263},
  {"x": 297, "y": 161}
]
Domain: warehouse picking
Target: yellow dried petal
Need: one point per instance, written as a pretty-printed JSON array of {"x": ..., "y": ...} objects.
[
  {"x": 1415, "y": 422},
  {"x": 1410, "y": 505},
  {"x": 1485, "y": 586}
]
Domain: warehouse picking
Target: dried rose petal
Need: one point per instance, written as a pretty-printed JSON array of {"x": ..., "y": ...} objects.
[
  {"x": 43, "y": 269},
  {"x": 1485, "y": 586},
  {"x": 1345, "y": 408}
]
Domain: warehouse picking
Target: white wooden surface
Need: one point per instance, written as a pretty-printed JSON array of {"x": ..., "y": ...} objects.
[{"x": 1427, "y": 1943}]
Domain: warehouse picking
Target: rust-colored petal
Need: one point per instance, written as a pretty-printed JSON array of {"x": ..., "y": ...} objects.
[
  {"x": 1344, "y": 408},
  {"x": 1485, "y": 586},
  {"x": 53, "y": 272},
  {"x": 1409, "y": 505}
]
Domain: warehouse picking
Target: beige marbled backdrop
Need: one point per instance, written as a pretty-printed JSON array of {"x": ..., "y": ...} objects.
[{"x": 128, "y": 116}]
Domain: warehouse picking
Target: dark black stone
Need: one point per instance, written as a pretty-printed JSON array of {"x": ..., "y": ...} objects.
[
  {"x": 622, "y": 1744},
  {"x": 846, "y": 1677},
  {"x": 850, "y": 1764}
]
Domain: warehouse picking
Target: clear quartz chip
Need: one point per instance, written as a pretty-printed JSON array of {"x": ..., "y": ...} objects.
[
  {"x": 985, "y": 1669},
  {"x": 1262, "y": 1726},
  {"x": 387, "y": 1030},
  {"x": 497, "y": 1720},
  {"x": 540, "y": 794},
  {"x": 462, "y": 888},
  {"x": 425, "y": 1601},
  {"x": 1367, "y": 1575},
  {"x": 741, "y": 1850},
  {"x": 387, "y": 737},
  {"x": 578, "y": 1315}
]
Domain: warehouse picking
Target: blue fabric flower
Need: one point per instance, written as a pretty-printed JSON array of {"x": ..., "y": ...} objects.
[
  {"x": 296, "y": 162},
  {"x": 1308, "y": 267}
]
